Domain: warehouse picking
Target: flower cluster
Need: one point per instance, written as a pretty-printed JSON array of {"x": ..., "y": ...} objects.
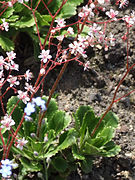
[
  {"x": 44, "y": 55},
  {"x": 20, "y": 143},
  {"x": 87, "y": 11},
  {"x": 112, "y": 14},
  {"x": 7, "y": 122},
  {"x": 6, "y": 168},
  {"x": 4, "y": 25},
  {"x": 21, "y": 1},
  {"x": 130, "y": 20},
  {"x": 31, "y": 106}
]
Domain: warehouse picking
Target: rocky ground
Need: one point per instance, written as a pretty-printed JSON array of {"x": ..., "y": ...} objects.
[{"x": 96, "y": 88}]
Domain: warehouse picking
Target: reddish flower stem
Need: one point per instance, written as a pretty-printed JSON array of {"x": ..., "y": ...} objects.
[
  {"x": 113, "y": 100},
  {"x": 13, "y": 137}
]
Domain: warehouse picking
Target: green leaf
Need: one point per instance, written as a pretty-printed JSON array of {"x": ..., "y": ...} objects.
[
  {"x": 86, "y": 165},
  {"x": 13, "y": 18},
  {"x": 76, "y": 153},
  {"x": 18, "y": 7},
  {"x": 69, "y": 9},
  {"x": 9, "y": 12},
  {"x": 80, "y": 114},
  {"x": 17, "y": 114},
  {"x": 43, "y": 19},
  {"x": 25, "y": 22},
  {"x": 111, "y": 149},
  {"x": 69, "y": 140},
  {"x": 52, "y": 108},
  {"x": 98, "y": 142},
  {"x": 29, "y": 127},
  {"x": 107, "y": 134},
  {"x": 111, "y": 119},
  {"x": 59, "y": 164},
  {"x": 90, "y": 149},
  {"x": 6, "y": 43},
  {"x": 25, "y": 152},
  {"x": 30, "y": 166},
  {"x": 89, "y": 121},
  {"x": 57, "y": 121},
  {"x": 13, "y": 101}
]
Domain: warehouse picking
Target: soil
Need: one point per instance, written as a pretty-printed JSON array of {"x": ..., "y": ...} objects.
[{"x": 96, "y": 88}]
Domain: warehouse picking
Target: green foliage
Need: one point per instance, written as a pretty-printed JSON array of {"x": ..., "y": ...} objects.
[
  {"x": 21, "y": 19},
  {"x": 101, "y": 142},
  {"x": 67, "y": 148}
]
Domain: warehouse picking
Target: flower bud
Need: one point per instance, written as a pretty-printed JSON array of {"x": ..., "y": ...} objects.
[{"x": 42, "y": 71}]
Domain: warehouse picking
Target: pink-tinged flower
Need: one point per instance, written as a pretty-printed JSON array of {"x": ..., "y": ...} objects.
[
  {"x": 77, "y": 48},
  {"x": 60, "y": 22},
  {"x": 29, "y": 88},
  {"x": 7, "y": 122},
  {"x": 11, "y": 55},
  {"x": 1, "y": 62},
  {"x": 70, "y": 30},
  {"x": 5, "y": 25},
  {"x": 23, "y": 96},
  {"x": 101, "y": 1},
  {"x": 86, "y": 11},
  {"x": 44, "y": 55},
  {"x": 63, "y": 57},
  {"x": 14, "y": 66},
  {"x": 94, "y": 29},
  {"x": 42, "y": 71},
  {"x": 86, "y": 65},
  {"x": 1, "y": 82},
  {"x": 60, "y": 38},
  {"x": 28, "y": 75},
  {"x": 112, "y": 39},
  {"x": 130, "y": 20},
  {"x": 123, "y": 3},
  {"x": 13, "y": 81},
  {"x": 10, "y": 4},
  {"x": 112, "y": 14},
  {"x": 1, "y": 73},
  {"x": 21, "y": 1},
  {"x": 21, "y": 143}
]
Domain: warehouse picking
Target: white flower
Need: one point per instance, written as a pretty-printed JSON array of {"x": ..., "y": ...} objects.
[
  {"x": 1, "y": 82},
  {"x": 13, "y": 81},
  {"x": 28, "y": 75},
  {"x": 42, "y": 71},
  {"x": 23, "y": 96},
  {"x": 123, "y": 3},
  {"x": 29, "y": 88},
  {"x": 1, "y": 62},
  {"x": 7, "y": 122},
  {"x": 5, "y": 25},
  {"x": 86, "y": 65},
  {"x": 14, "y": 66},
  {"x": 112, "y": 14},
  {"x": 10, "y": 4},
  {"x": 70, "y": 30},
  {"x": 21, "y": 1},
  {"x": 11, "y": 55},
  {"x": 21, "y": 143},
  {"x": 101, "y": 1},
  {"x": 60, "y": 38},
  {"x": 86, "y": 11},
  {"x": 44, "y": 55},
  {"x": 60, "y": 22}
]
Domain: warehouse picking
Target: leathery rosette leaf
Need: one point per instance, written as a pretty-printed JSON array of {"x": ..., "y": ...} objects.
[{"x": 101, "y": 142}]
